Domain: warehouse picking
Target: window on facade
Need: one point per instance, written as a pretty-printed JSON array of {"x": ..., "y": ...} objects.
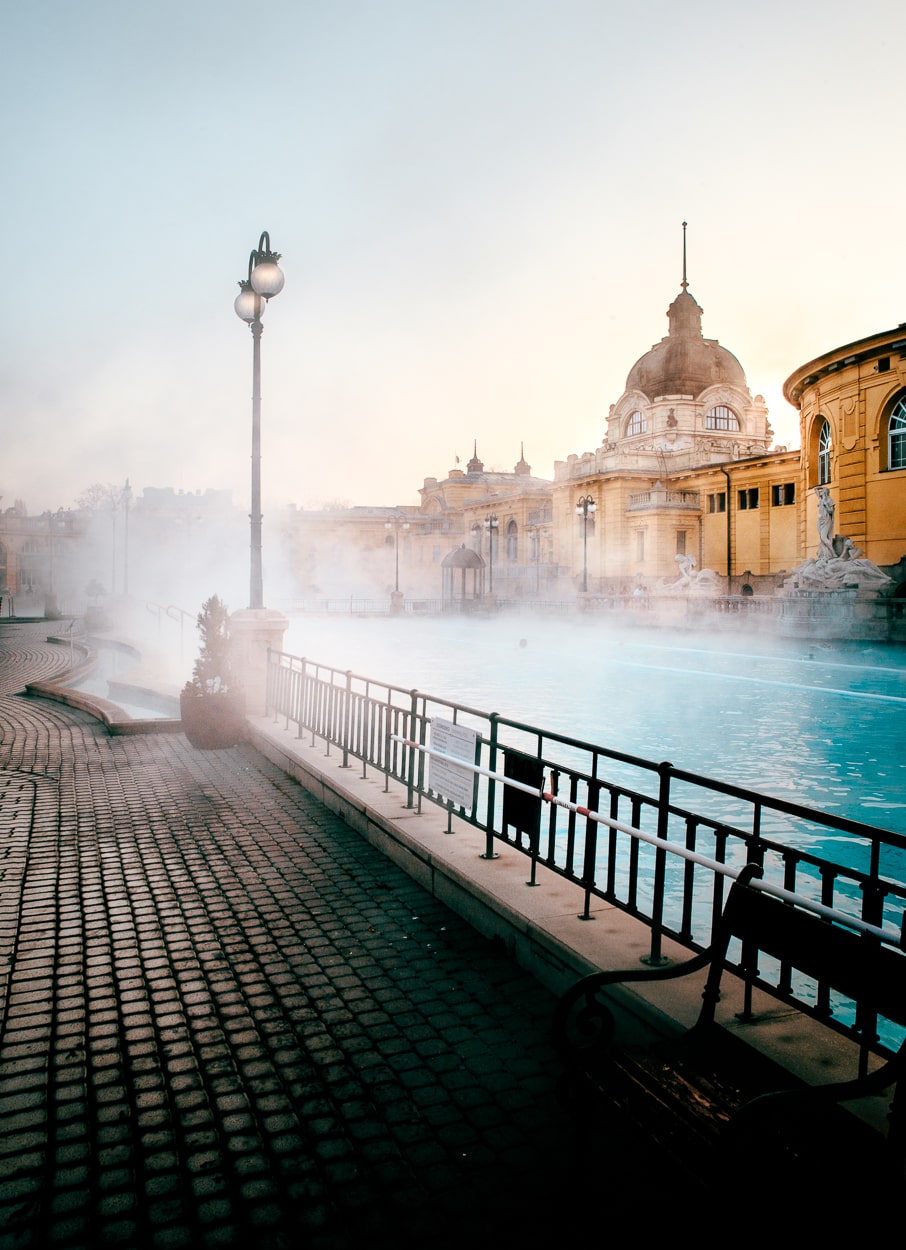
[
  {"x": 721, "y": 418},
  {"x": 717, "y": 502},
  {"x": 476, "y": 538},
  {"x": 896, "y": 435},
  {"x": 640, "y": 545},
  {"x": 635, "y": 424},
  {"x": 512, "y": 542},
  {"x": 748, "y": 499},
  {"x": 782, "y": 494},
  {"x": 824, "y": 452},
  {"x": 680, "y": 542}
]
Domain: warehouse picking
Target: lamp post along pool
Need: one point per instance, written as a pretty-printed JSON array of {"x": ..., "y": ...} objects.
[
  {"x": 127, "y": 503},
  {"x": 257, "y": 631},
  {"x": 585, "y": 508},
  {"x": 265, "y": 280},
  {"x": 395, "y": 526},
  {"x": 491, "y": 524}
]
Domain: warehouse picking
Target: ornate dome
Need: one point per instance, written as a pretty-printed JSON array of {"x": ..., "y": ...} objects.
[{"x": 684, "y": 363}]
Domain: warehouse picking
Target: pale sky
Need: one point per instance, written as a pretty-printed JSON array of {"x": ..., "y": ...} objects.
[{"x": 479, "y": 208}]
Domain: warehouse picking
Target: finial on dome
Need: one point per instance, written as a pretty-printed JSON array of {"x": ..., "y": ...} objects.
[{"x": 685, "y": 283}]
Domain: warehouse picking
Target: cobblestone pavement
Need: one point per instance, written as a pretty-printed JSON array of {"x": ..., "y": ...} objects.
[{"x": 229, "y": 1021}]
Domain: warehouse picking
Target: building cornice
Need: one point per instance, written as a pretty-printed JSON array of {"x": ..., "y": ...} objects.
[{"x": 841, "y": 357}]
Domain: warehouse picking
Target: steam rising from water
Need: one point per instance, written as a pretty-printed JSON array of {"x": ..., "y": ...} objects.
[{"x": 817, "y": 724}]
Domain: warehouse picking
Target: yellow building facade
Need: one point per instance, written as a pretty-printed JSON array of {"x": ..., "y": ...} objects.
[
  {"x": 852, "y": 405},
  {"x": 686, "y": 470},
  {"x": 369, "y": 552},
  {"x": 686, "y": 478}
]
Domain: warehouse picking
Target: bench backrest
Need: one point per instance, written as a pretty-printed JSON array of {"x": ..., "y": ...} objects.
[{"x": 857, "y": 966}]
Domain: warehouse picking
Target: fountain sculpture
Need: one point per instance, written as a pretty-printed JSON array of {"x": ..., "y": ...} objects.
[{"x": 835, "y": 594}]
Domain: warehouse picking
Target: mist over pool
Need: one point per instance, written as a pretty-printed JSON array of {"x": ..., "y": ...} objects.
[{"x": 821, "y": 724}]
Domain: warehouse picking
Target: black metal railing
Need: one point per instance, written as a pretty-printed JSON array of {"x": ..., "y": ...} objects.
[{"x": 656, "y": 841}]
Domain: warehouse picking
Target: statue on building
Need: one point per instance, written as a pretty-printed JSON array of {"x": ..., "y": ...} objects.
[
  {"x": 825, "y": 523},
  {"x": 839, "y": 564},
  {"x": 704, "y": 582}
]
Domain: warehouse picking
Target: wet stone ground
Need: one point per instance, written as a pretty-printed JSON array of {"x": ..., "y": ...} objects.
[{"x": 229, "y": 1021}]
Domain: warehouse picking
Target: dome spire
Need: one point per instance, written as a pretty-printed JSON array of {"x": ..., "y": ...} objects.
[{"x": 684, "y": 315}]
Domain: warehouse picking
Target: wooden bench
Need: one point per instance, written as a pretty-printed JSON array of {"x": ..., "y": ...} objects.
[{"x": 710, "y": 1100}]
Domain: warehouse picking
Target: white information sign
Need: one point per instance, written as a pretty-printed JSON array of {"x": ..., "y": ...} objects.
[{"x": 447, "y": 778}]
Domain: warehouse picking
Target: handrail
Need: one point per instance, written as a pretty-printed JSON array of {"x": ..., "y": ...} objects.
[
  {"x": 653, "y": 840},
  {"x": 890, "y": 936},
  {"x": 788, "y": 807}
]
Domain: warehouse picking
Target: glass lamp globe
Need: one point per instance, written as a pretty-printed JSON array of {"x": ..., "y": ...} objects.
[
  {"x": 248, "y": 305},
  {"x": 267, "y": 278}
]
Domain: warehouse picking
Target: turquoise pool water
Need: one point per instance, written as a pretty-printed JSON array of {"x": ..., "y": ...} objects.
[{"x": 820, "y": 724}]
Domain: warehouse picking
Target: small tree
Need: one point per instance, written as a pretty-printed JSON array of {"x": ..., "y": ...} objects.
[{"x": 213, "y": 670}]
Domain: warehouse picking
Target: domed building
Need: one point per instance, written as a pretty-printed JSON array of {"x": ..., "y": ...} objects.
[
  {"x": 686, "y": 399},
  {"x": 684, "y": 470}
]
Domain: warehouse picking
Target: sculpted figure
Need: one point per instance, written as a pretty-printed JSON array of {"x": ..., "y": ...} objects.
[
  {"x": 838, "y": 572},
  {"x": 825, "y": 524},
  {"x": 704, "y": 582}
]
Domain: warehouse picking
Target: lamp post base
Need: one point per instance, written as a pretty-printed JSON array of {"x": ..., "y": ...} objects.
[{"x": 254, "y": 631}]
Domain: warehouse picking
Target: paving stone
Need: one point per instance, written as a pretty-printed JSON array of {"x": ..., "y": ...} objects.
[{"x": 232, "y": 1022}]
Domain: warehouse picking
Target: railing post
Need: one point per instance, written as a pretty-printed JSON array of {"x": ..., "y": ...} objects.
[
  {"x": 489, "y": 852},
  {"x": 590, "y": 850},
  {"x": 422, "y": 760},
  {"x": 410, "y": 763},
  {"x": 867, "y": 1013},
  {"x": 655, "y": 956},
  {"x": 347, "y": 703},
  {"x": 300, "y": 709}
]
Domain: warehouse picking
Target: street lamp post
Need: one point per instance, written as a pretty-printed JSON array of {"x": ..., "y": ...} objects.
[
  {"x": 265, "y": 280},
  {"x": 491, "y": 524},
  {"x": 585, "y": 508},
  {"x": 127, "y": 500},
  {"x": 113, "y": 504},
  {"x": 396, "y": 525}
]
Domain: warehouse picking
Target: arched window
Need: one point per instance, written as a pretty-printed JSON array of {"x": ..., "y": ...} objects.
[
  {"x": 512, "y": 542},
  {"x": 635, "y": 424},
  {"x": 476, "y": 537},
  {"x": 825, "y": 447},
  {"x": 721, "y": 418},
  {"x": 896, "y": 435}
]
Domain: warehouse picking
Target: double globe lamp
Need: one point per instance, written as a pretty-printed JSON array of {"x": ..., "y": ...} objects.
[{"x": 265, "y": 280}]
